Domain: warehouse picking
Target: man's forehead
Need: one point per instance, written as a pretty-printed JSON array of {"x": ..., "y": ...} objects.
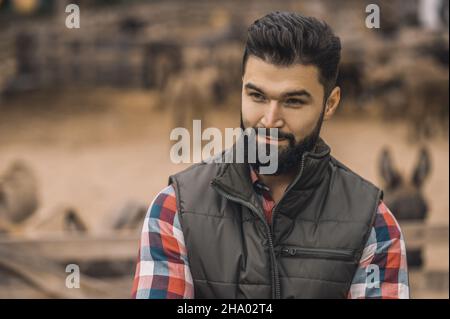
[{"x": 280, "y": 79}]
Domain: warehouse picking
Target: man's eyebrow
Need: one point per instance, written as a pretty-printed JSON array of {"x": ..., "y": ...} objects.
[
  {"x": 253, "y": 87},
  {"x": 298, "y": 92},
  {"x": 301, "y": 92}
]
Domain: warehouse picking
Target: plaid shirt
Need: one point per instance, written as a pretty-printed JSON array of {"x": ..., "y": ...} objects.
[{"x": 162, "y": 269}]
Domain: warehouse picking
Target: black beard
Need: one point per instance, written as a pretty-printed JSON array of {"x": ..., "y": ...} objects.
[{"x": 290, "y": 156}]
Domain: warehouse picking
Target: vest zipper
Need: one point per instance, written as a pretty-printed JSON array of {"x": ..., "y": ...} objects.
[
  {"x": 302, "y": 163},
  {"x": 319, "y": 253},
  {"x": 275, "y": 279}
]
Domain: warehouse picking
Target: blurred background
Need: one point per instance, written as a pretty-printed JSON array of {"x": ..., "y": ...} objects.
[{"x": 85, "y": 118}]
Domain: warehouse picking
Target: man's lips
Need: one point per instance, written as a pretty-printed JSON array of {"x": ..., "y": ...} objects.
[{"x": 271, "y": 140}]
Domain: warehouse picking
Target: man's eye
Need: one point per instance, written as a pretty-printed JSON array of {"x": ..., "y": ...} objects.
[
  {"x": 294, "y": 102},
  {"x": 257, "y": 97}
]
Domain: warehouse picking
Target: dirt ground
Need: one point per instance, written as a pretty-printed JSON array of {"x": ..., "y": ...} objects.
[{"x": 96, "y": 150}]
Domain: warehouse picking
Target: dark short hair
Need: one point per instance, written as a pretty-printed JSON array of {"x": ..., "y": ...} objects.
[{"x": 285, "y": 38}]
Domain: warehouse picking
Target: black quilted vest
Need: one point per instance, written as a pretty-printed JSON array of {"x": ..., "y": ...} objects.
[{"x": 311, "y": 249}]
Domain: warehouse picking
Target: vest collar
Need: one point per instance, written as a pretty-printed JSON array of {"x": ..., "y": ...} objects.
[{"x": 235, "y": 180}]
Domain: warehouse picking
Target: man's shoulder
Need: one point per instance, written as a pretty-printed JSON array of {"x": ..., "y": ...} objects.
[
  {"x": 197, "y": 171},
  {"x": 386, "y": 225},
  {"x": 210, "y": 165},
  {"x": 345, "y": 170},
  {"x": 163, "y": 203}
]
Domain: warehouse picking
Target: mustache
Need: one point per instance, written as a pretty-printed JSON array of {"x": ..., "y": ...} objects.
[{"x": 266, "y": 132}]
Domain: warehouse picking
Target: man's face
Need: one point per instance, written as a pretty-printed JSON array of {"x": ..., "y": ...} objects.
[{"x": 288, "y": 98}]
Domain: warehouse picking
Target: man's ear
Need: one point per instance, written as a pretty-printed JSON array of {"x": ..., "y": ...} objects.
[{"x": 332, "y": 103}]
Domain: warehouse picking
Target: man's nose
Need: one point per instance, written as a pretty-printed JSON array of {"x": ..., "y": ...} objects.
[{"x": 273, "y": 117}]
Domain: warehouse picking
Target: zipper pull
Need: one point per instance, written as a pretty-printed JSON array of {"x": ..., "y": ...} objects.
[{"x": 289, "y": 251}]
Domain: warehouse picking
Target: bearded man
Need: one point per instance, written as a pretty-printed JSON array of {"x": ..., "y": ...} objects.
[{"x": 312, "y": 229}]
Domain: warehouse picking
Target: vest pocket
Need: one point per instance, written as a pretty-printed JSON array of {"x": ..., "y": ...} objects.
[{"x": 318, "y": 253}]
